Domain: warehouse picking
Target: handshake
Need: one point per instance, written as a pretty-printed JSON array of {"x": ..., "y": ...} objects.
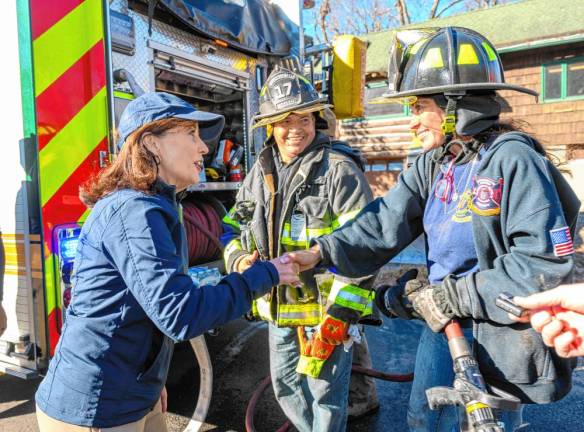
[{"x": 288, "y": 265}]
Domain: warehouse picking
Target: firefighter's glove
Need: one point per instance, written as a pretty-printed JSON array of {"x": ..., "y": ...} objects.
[
  {"x": 314, "y": 352},
  {"x": 436, "y": 304},
  {"x": 332, "y": 330},
  {"x": 390, "y": 298},
  {"x": 244, "y": 211}
]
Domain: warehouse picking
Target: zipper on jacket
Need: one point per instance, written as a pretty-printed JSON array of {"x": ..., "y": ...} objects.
[{"x": 287, "y": 206}]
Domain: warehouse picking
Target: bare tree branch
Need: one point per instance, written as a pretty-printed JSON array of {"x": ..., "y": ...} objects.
[
  {"x": 434, "y": 7},
  {"x": 334, "y": 17},
  {"x": 323, "y": 12},
  {"x": 448, "y": 7},
  {"x": 404, "y": 17}
]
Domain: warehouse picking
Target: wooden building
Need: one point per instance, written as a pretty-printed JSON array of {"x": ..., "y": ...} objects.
[{"x": 541, "y": 44}]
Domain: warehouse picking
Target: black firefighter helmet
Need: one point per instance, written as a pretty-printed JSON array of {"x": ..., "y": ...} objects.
[
  {"x": 447, "y": 60},
  {"x": 287, "y": 92}
]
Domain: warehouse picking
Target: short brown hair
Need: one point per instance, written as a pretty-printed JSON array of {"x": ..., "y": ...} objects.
[{"x": 135, "y": 167}]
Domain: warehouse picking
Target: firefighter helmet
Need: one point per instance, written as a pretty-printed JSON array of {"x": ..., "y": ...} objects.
[
  {"x": 286, "y": 92},
  {"x": 448, "y": 60}
]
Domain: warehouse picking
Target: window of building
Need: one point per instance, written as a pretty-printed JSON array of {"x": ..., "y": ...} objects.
[
  {"x": 384, "y": 166},
  {"x": 563, "y": 80}
]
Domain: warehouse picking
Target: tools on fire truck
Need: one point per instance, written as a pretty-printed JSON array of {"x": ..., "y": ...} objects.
[
  {"x": 226, "y": 166},
  {"x": 234, "y": 171}
]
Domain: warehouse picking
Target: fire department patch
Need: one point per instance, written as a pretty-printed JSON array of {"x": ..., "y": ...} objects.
[
  {"x": 562, "y": 241},
  {"x": 462, "y": 213},
  {"x": 486, "y": 196}
]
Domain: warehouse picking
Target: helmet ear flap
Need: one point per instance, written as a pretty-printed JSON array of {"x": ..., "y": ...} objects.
[
  {"x": 269, "y": 135},
  {"x": 440, "y": 100},
  {"x": 319, "y": 122}
]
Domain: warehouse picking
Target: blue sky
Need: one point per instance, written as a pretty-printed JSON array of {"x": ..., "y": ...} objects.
[{"x": 418, "y": 9}]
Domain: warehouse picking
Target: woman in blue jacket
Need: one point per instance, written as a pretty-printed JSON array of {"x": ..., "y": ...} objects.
[
  {"x": 496, "y": 214},
  {"x": 131, "y": 297}
]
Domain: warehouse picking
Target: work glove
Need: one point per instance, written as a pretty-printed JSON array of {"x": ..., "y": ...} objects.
[
  {"x": 243, "y": 211},
  {"x": 315, "y": 347},
  {"x": 332, "y": 330},
  {"x": 435, "y": 304},
  {"x": 390, "y": 299},
  {"x": 315, "y": 351}
]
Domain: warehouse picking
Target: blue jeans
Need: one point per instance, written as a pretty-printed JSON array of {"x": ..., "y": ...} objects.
[
  {"x": 434, "y": 368},
  {"x": 310, "y": 404}
]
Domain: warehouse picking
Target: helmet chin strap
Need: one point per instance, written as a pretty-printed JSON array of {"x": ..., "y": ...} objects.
[
  {"x": 449, "y": 123},
  {"x": 468, "y": 150}
]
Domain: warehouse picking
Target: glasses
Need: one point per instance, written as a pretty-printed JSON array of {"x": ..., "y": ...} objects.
[{"x": 383, "y": 100}]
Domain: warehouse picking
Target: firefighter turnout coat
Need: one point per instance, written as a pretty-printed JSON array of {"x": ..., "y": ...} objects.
[{"x": 324, "y": 188}]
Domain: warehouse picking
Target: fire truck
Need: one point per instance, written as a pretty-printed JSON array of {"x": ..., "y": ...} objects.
[{"x": 72, "y": 66}]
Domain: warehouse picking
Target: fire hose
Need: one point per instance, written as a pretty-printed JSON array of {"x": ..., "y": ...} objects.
[
  {"x": 203, "y": 229},
  {"x": 251, "y": 406}
]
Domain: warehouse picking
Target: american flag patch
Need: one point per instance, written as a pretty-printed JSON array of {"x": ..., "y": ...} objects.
[{"x": 562, "y": 241}]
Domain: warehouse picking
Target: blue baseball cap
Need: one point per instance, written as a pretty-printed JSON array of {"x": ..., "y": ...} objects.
[{"x": 156, "y": 106}]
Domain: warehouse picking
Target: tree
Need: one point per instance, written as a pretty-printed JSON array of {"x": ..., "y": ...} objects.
[{"x": 332, "y": 17}]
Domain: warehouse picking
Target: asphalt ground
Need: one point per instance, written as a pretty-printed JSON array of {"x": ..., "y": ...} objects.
[{"x": 240, "y": 361}]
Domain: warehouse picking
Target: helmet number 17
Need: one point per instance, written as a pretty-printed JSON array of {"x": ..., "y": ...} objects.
[{"x": 283, "y": 90}]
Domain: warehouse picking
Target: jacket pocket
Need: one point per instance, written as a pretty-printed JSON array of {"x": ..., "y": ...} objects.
[
  {"x": 313, "y": 206},
  {"x": 521, "y": 359},
  {"x": 318, "y": 216},
  {"x": 157, "y": 368},
  {"x": 144, "y": 391}
]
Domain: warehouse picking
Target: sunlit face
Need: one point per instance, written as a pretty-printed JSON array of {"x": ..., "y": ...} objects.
[
  {"x": 181, "y": 152},
  {"x": 426, "y": 122},
  {"x": 294, "y": 134}
]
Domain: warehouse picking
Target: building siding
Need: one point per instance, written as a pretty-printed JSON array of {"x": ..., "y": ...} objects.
[{"x": 558, "y": 125}]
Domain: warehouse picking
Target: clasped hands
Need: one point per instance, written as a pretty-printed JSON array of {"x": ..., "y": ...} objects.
[{"x": 289, "y": 265}]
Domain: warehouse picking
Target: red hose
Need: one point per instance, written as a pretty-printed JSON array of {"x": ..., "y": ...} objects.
[
  {"x": 251, "y": 406},
  {"x": 453, "y": 330},
  {"x": 255, "y": 397},
  {"x": 382, "y": 375},
  {"x": 203, "y": 229}
]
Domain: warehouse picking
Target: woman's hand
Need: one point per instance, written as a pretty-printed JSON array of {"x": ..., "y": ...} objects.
[
  {"x": 306, "y": 259},
  {"x": 287, "y": 270},
  {"x": 247, "y": 261},
  {"x": 164, "y": 399}
]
